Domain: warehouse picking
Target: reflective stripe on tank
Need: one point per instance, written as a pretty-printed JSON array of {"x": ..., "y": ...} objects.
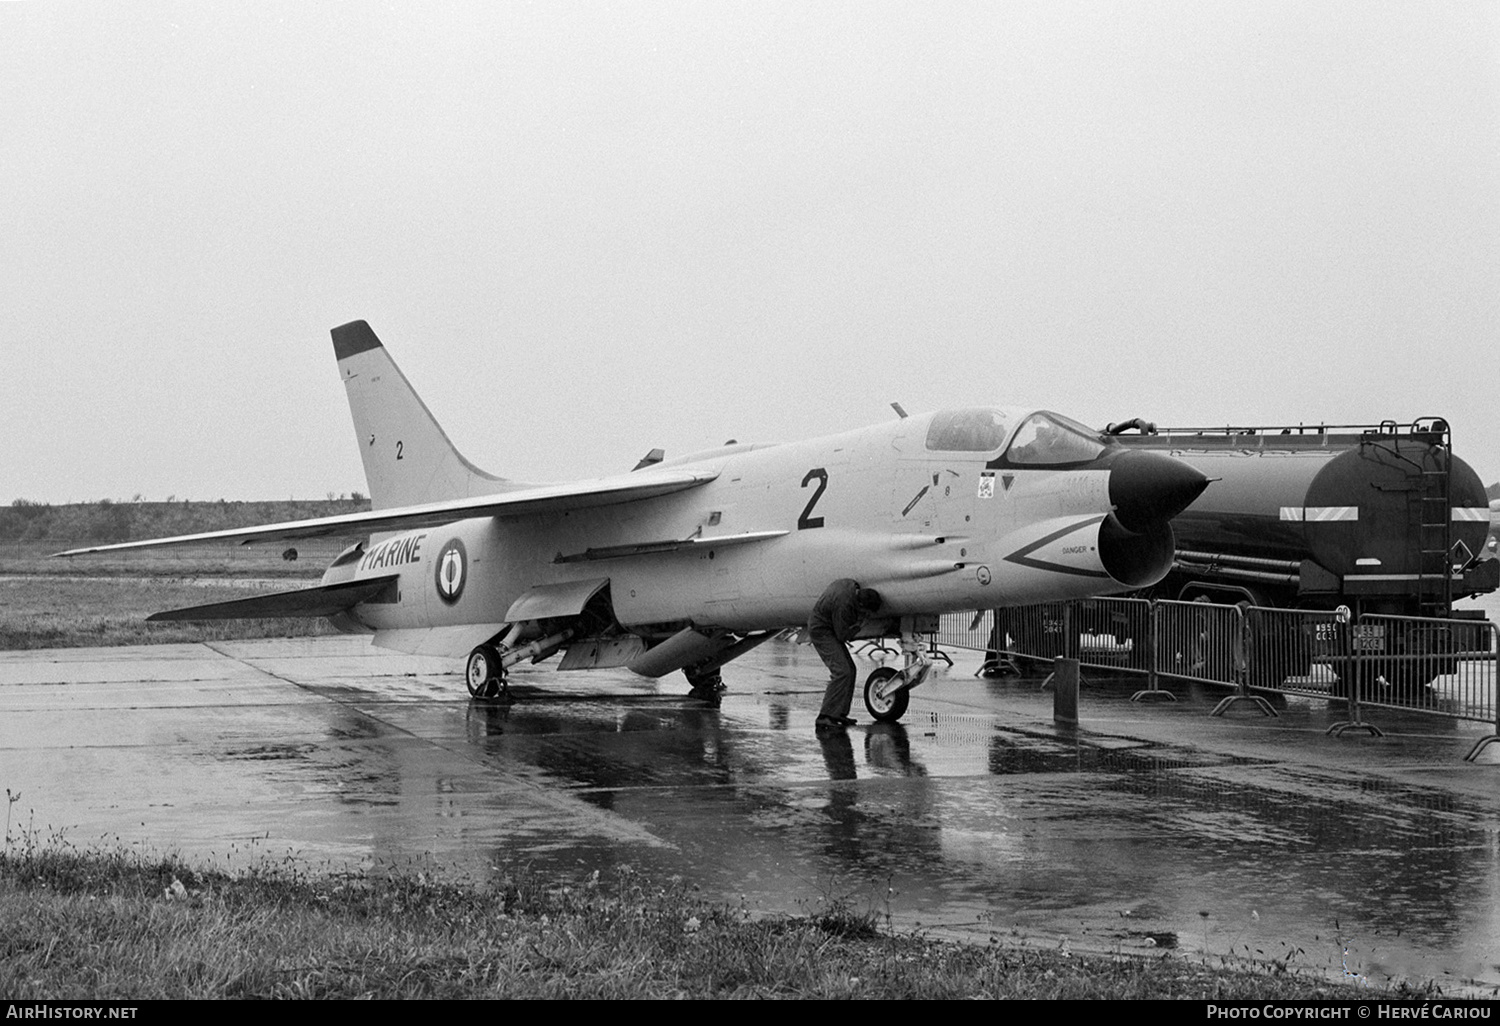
[
  {"x": 1471, "y": 513},
  {"x": 1319, "y": 514}
]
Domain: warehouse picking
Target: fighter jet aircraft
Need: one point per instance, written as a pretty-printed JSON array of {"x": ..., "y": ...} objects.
[{"x": 687, "y": 563}]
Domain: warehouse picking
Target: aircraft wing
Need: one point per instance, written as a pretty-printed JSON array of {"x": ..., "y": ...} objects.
[{"x": 527, "y": 500}]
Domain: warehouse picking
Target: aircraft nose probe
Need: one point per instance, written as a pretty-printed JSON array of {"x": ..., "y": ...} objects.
[{"x": 1149, "y": 487}]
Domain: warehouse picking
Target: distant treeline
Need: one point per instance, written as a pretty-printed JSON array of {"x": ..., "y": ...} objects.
[{"x": 111, "y": 521}]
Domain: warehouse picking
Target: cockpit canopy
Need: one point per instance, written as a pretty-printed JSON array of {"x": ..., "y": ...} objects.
[
  {"x": 1038, "y": 440},
  {"x": 970, "y": 430},
  {"x": 1051, "y": 440}
]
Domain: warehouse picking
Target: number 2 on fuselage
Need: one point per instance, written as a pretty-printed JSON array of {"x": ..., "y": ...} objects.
[{"x": 807, "y": 520}]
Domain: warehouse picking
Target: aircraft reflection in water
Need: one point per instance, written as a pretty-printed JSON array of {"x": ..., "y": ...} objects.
[
  {"x": 1048, "y": 834},
  {"x": 687, "y": 563}
]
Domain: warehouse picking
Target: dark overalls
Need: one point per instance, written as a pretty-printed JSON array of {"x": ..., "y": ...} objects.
[{"x": 834, "y": 622}]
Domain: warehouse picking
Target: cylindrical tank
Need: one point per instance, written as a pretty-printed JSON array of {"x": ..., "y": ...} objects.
[{"x": 1377, "y": 514}]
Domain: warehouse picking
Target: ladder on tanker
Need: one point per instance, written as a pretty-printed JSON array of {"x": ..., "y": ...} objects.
[{"x": 1434, "y": 514}]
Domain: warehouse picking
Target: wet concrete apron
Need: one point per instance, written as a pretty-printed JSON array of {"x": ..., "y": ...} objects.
[{"x": 1148, "y": 828}]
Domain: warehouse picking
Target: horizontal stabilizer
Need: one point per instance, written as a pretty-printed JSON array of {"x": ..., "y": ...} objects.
[{"x": 323, "y": 601}]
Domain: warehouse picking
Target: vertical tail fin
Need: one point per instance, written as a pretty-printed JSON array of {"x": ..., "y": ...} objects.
[{"x": 408, "y": 459}]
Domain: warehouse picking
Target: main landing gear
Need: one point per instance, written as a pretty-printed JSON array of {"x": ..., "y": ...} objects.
[
  {"x": 487, "y": 665},
  {"x": 887, "y": 689},
  {"x": 484, "y": 674},
  {"x": 707, "y": 686}
]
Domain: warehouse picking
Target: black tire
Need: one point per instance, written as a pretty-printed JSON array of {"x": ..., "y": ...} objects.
[
  {"x": 482, "y": 672},
  {"x": 895, "y": 707}
]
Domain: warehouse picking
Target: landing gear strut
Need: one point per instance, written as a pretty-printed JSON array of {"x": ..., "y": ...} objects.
[
  {"x": 886, "y": 688},
  {"x": 484, "y": 674},
  {"x": 487, "y": 666}
]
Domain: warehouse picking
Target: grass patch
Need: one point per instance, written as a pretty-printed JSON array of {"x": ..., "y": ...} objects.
[
  {"x": 221, "y": 560},
  {"x": 67, "y": 613},
  {"x": 121, "y": 924},
  {"x": 104, "y": 600}
]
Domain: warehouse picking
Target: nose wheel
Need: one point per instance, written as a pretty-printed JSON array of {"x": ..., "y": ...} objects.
[
  {"x": 483, "y": 673},
  {"x": 883, "y": 699},
  {"x": 887, "y": 689}
]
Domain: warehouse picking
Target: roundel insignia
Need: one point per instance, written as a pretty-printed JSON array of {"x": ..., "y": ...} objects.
[
  {"x": 452, "y": 571},
  {"x": 983, "y": 574}
]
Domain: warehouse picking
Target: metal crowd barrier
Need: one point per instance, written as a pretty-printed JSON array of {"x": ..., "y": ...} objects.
[
  {"x": 1439, "y": 667},
  {"x": 1041, "y": 632},
  {"x": 965, "y": 630},
  {"x": 1198, "y": 641},
  {"x": 1295, "y": 651},
  {"x": 1114, "y": 634},
  {"x": 1108, "y": 634},
  {"x": 1433, "y": 665}
]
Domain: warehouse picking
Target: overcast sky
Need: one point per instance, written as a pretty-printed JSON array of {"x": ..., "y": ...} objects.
[{"x": 587, "y": 229}]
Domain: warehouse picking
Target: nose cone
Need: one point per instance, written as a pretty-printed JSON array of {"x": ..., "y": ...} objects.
[{"x": 1149, "y": 487}]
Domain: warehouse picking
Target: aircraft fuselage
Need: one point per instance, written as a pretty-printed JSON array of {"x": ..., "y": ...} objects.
[{"x": 934, "y": 531}]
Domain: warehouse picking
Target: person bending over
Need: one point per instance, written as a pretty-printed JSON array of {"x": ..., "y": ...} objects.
[{"x": 835, "y": 621}]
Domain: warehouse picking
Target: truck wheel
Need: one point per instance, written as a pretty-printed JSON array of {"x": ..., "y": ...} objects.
[{"x": 892, "y": 707}]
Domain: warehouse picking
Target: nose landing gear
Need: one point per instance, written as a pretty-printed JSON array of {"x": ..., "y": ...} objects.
[
  {"x": 887, "y": 690},
  {"x": 884, "y": 698}
]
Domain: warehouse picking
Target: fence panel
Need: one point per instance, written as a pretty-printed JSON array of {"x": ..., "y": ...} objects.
[
  {"x": 1041, "y": 631},
  {"x": 973, "y": 631},
  {"x": 1113, "y": 634},
  {"x": 1200, "y": 641},
  {"x": 1439, "y": 666},
  {"x": 1299, "y": 651},
  {"x": 1108, "y": 634}
]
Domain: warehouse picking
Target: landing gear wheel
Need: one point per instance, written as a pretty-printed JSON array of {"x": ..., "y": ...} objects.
[
  {"x": 892, "y": 707},
  {"x": 482, "y": 672}
]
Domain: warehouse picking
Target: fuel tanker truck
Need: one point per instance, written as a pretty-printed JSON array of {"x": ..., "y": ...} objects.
[{"x": 1380, "y": 518}]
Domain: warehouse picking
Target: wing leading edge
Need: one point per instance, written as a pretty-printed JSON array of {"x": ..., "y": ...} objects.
[{"x": 531, "y": 500}]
